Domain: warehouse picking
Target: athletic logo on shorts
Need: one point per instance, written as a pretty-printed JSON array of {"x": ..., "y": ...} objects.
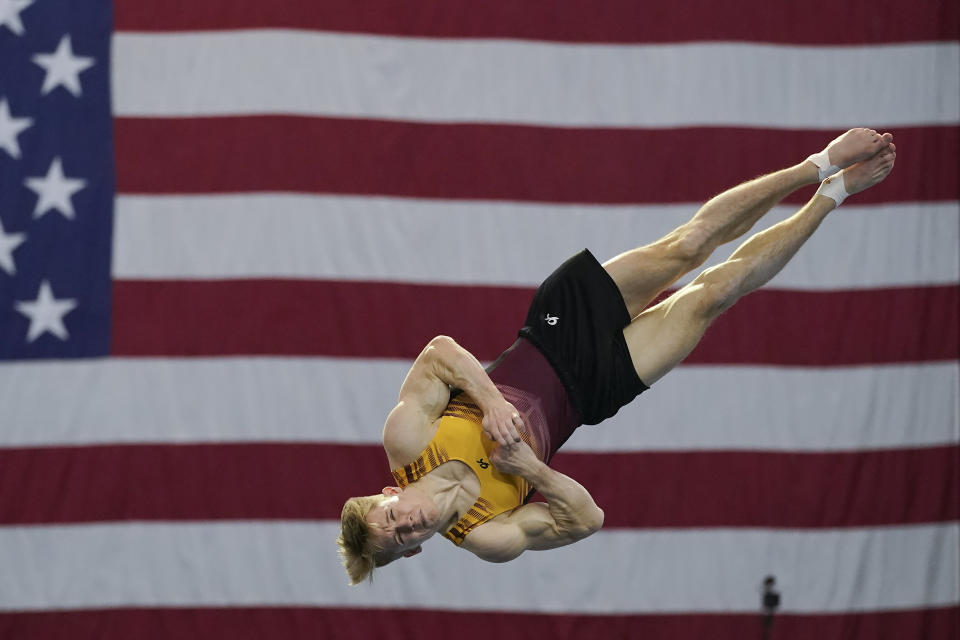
[{"x": 552, "y": 320}]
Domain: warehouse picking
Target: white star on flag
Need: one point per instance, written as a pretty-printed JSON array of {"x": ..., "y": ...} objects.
[
  {"x": 9, "y": 242},
  {"x": 63, "y": 68},
  {"x": 10, "y": 14},
  {"x": 46, "y": 313},
  {"x": 55, "y": 190},
  {"x": 10, "y": 128}
]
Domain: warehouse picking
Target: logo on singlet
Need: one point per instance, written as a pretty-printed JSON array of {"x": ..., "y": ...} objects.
[
  {"x": 552, "y": 320},
  {"x": 483, "y": 463}
]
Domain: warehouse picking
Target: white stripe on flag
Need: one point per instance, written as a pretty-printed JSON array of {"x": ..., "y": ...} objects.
[
  {"x": 290, "y": 564},
  {"x": 346, "y": 401},
  {"x": 302, "y": 236},
  {"x": 534, "y": 82}
]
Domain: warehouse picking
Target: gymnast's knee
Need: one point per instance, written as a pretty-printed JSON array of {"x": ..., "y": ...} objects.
[
  {"x": 692, "y": 244},
  {"x": 714, "y": 291}
]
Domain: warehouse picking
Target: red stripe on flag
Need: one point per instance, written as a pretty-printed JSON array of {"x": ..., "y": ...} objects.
[
  {"x": 311, "y": 481},
  {"x": 293, "y": 623},
  {"x": 500, "y": 162},
  {"x": 615, "y": 21},
  {"x": 309, "y": 317},
  {"x": 769, "y": 489},
  {"x": 384, "y": 320}
]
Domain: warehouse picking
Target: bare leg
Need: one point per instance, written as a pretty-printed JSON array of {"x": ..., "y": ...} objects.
[
  {"x": 661, "y": 337},
  {"x": 641, "y": 274}
]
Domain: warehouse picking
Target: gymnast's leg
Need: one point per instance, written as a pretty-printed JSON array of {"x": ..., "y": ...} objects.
[
  {"x": 642, "y": 273},
  {"x": 662, "y": 336}
]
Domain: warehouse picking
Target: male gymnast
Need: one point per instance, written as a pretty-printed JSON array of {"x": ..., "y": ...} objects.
[{"x": 468, "y": 446}]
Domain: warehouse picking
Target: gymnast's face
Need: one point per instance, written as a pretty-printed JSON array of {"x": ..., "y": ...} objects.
[{"x": 404, "y": 520}]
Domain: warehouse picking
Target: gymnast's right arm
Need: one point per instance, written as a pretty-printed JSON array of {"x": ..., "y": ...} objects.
[
  {"x": 426, "y": 391},
  {"x": 569, "y": 515}
]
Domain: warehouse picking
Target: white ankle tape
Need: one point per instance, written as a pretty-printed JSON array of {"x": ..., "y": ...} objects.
[
  {"x": 822, "y": 160},
  {"x": 833, "y": 188}
]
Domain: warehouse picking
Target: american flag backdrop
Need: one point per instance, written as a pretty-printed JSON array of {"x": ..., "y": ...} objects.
[{"x": 227, "y": 227}]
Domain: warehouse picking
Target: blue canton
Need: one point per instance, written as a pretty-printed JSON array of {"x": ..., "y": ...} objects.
[{"x": 56, "y": 178}]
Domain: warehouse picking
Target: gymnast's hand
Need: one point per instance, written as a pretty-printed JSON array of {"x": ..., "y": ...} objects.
[
  {"x": 502, "y": 422},
  {"x": 516, "y": 458}
]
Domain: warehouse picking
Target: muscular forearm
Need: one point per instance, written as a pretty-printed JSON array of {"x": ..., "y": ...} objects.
[
  {"x": 459, "y": 368},
  {"x": 570, "y": 504}
]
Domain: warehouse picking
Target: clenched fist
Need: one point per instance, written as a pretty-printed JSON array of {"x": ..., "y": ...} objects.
[
  {"x": 515, "y": 458},
  {"x": 502, "y": 422}
]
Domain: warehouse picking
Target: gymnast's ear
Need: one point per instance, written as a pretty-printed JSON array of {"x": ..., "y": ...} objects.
[{"x": 412, "y": 552}]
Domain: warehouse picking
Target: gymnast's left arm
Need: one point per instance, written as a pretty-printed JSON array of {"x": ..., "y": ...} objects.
[{"x": 569, "y": 515}]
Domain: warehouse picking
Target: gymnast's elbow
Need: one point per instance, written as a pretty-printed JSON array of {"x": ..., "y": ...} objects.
[
  {"x": 587, "y": 524},
  {"x": 595, "y": 521}
]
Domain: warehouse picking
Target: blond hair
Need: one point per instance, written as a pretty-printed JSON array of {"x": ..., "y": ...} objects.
[{"x": 359, "y": 552}]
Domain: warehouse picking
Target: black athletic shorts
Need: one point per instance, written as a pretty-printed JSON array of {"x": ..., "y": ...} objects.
[{"x": 576, "y": 319}]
